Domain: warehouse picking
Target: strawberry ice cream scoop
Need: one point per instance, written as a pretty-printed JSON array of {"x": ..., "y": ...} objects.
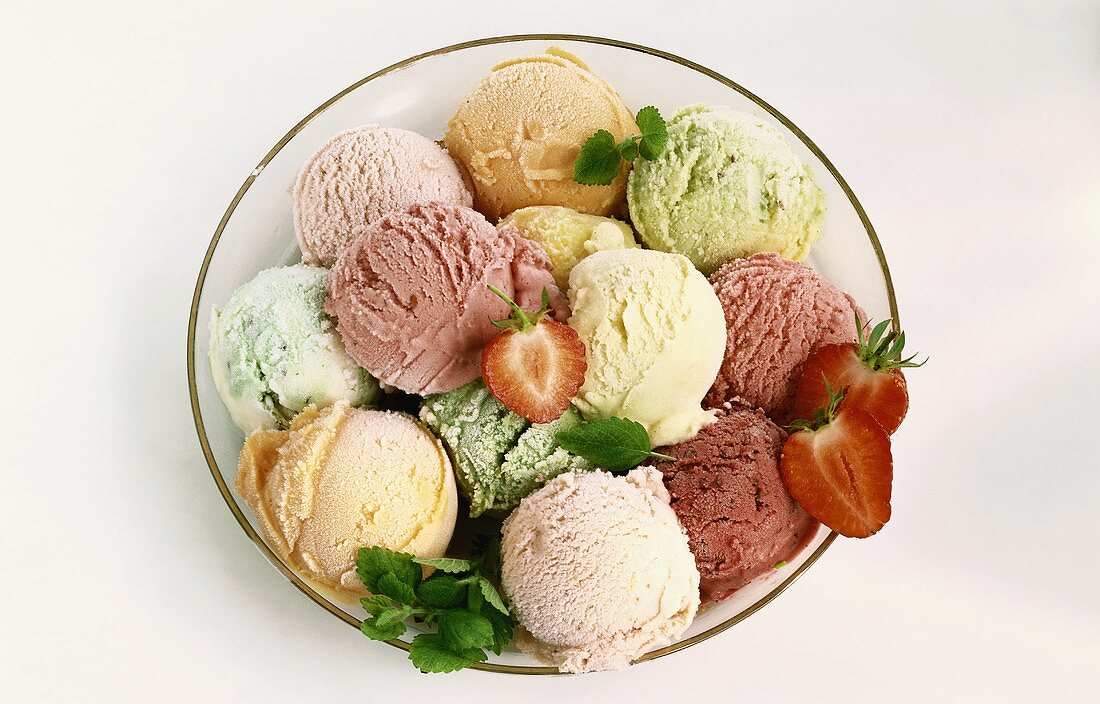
[
  {"x": 777, "y": 312},
  {"x": 411, "y": 300},
  {"x": 726, "y": 490}
]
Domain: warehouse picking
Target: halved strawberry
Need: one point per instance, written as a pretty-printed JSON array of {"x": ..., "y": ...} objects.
[
  {"x": 869, "y": 372},
  {"x": 839, "y": 469},
  {"x": 536, "y": 366}
]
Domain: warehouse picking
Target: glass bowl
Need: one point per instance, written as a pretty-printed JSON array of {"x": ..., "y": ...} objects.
[{"x": 420, "y": 93}]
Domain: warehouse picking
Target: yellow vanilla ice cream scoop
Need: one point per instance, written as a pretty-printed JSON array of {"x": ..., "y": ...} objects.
[
  {"x": 654, "y": 335},
  {"x": 569, "y": 236},
  {"x": 342, "y": 478},
  {"x": 519, "y": 133}
]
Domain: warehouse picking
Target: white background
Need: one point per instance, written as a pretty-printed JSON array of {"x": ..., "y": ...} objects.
[{"x": 970, "y": 131}]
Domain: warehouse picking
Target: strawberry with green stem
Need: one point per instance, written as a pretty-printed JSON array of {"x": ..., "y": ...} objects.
[
  {"x": 868, "y": 371},
  {"x": 536, "y": 366},
  {"x": 839, "y": 468}
]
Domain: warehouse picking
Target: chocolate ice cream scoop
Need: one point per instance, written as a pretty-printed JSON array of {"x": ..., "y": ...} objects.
[{"x": 726, "y": 490}]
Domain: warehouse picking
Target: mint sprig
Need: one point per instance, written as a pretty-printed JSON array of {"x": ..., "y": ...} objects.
[
  {"x": 460, "y": 600},
  {"x": 600, "y": 158},
  {"x": 614, "y": 444}
]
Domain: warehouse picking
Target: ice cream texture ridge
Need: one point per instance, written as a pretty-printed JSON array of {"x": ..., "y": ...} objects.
[
  {"x": 518, "y": 133},
  {"x": 598, "y": 570},
  {"x": 340, "y": 478},
  {"x": 654, "y": 335}
]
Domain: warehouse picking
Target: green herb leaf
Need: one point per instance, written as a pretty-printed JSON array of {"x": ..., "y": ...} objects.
[
  {"x": 491, "y": 596},
  {"x": 474, "y": 600},
  {"x": 374, "y": 604},
  {"x": 430, "y": 654},
  {"x": 615, "y": 444},
  {"x": 502, "y": 630},
  {"x": 598, "y": 161},
  {"x": 388, "y": 630},
  {"x": 395, "y": 589},
  {"x": 445, "y": 564},
  {"x": 628, "y": 149},
  {"x": 462, "y": 630},
  {"x": 654, "y": 132},
  {"x": 441, "y": 591},
  {"x": 372, "y": 563}
]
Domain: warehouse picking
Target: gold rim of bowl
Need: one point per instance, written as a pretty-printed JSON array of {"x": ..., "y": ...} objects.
[{"x": 219, "y": 479}]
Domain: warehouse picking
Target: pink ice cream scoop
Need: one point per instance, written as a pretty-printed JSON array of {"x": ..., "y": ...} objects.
[
  {"x": 362, "y": 174},
  {"x": 411, "y": 300},
  {"x": 728, "y": 494},
  {"x": 777, "y": 313}
]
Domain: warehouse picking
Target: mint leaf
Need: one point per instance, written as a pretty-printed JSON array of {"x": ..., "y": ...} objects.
[
  {"x": 502, "y": 630},
  {"x": 375, "y": 629},
  {"x": 374, "y": 605},
  {"x": 474, "y": 600},
  {"x": 615, "y": 444},
  {"x": 395, "y": 589},
  {"x": 654, "y": 132},
  {"x": 462, "y": 630},
  {"x": 372, "y": 563},
  {"x": 430, "y": 654},
  {"x": 628, "y": 149},
  {"x": 446, "y": 564},
  {"x": 491, "y": 596},
  {"x": 598, "y": 161},
  {"x": 441, "y": 592}
]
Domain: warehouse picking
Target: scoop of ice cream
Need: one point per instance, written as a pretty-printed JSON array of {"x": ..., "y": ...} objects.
[
  {"x": 360, "y": 175},
  {"x": 654, "y": 336},
  {"x": 519, "y": 133},
  {"x": 342, "y": 478},
  {"x": 411, "y": 300},
  {"x": 727, "y": 185},
  {"x": 728, "y": 494},
  {"x": 499, "y": 457},
  {"x": 273, "y": 351},
  {"x": 777, "y": 312},
  {"x": 597, "y": 570},
  {"x": 569, "y": 236}
]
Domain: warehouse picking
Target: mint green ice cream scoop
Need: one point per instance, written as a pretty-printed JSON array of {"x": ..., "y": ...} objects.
[
  {"x": 727, "y": 185},
  {"x": 499, "y": 457},
  {"x": 273, "y": 350}
]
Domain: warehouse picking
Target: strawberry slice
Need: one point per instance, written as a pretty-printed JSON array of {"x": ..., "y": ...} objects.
[
  {"x": 536, "y": 366},
  {"x": 869, "y": 372},
  {"x": 838, "y": 467}
]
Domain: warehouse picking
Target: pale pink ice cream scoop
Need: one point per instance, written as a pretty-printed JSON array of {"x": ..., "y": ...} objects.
[
  {"x": 777, "y": 312},
  {"x": 411, "y": 300},
  {"x": 362, "y": 174}
]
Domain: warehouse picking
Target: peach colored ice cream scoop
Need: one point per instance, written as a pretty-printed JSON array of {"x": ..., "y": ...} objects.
[
  {"x": 519, "y": 133},
  {"x": 777, "y": 312},
  {"x": 362, "y": 174},
  {"x": 342, "y": 478},
  {"x": 411, "y": 298}
]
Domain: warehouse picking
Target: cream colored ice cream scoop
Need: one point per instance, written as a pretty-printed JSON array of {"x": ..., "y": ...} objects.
[
  {"x": 342, "y": 478},
  {"x": 654, "y": 335}
]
